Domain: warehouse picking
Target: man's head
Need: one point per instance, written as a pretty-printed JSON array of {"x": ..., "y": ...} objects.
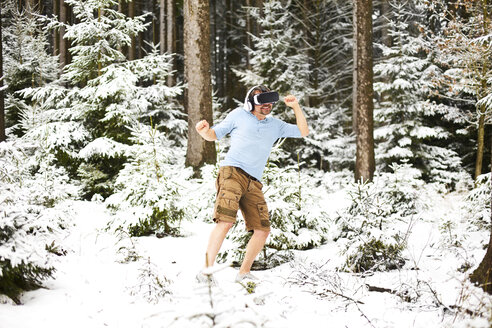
[{"x": 260, "y": 99}]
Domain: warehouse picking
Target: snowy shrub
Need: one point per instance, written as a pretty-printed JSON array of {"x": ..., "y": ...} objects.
[
  {"x": 147, "y": 188},
  {"x": 297, "y": 219},
  {"x": 476, "y": 208},
  {"x": 151, "y": 286},
  {"x": 200, "y": 193},
  {"x": 374, "y": 228},
  {"x": 32, "y": 216}
]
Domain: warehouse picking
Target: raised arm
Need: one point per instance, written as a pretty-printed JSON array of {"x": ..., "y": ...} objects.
[
  {"x": 203, "y": 129},
  {"x": 301, "y": 122}
]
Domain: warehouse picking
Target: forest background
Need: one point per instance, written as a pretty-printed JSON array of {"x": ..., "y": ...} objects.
[{"x": 98, "y": 97}]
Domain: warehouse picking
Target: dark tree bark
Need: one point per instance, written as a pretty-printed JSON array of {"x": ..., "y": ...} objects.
[
  {"x": 363, "y": 90},
  {"x": 249, "y": 31},
  {"x": 221, "y": 65},
  {"x": 63, "y": 49},
  {"x": 198, "y": 98},
  {"x": 483, "y": 274},
  {"x": 2, "y": 94},
  {"x": 385, "y": 12},
  {"x": 171, "y": 36},
  {"x": 132, "y": 51},
  {"x": 56, "y": 34},
  {"x": 162, "y": 26},
  {"x": 233, "y": 57}
]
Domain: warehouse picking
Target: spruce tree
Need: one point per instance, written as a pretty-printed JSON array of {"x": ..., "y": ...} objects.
[{"x": 406, "y": 129}]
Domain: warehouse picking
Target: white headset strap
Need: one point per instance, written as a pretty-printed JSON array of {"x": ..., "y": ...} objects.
[{"x": 246, "y": 108}]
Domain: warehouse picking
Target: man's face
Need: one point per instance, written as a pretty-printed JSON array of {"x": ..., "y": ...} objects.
[{"x": 263, "y": 109}]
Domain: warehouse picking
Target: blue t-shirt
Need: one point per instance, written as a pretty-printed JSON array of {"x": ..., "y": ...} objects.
[{"x": 252, "y": 139}]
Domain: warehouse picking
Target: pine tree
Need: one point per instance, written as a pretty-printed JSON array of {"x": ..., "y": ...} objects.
[
  {"x": 406, "y": 129},
  {"x": 147, "y": 198},
  {"x": 27, "y": 62},
  {"x": 462, "y": 50},
  {"x": 101, "y": 95}
]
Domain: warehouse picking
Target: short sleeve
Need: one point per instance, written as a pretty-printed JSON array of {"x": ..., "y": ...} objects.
[
  {"x": 287, "y": 130},
  {"x": 224, "y": 127}
]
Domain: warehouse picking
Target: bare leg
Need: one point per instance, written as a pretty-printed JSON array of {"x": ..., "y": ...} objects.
[
  {"x": 254, "y": 247},
  {"x": 215, "y": 240}
]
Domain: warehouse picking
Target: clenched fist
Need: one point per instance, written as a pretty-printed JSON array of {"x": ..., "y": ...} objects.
[
  {"x": 291, "y": 101},
  {"x": 202, "y": 126}
]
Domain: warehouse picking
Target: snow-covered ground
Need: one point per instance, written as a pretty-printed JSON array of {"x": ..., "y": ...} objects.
[{"x": 92, "y": 288}]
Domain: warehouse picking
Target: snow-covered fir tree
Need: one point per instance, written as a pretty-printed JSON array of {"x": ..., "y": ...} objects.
[
  {"x": 26, "y": 60},
  {"x": 326, "y": 27},
  {"x": 102, "y": 95},
  {"x": 33, "y": 215},
  {"x": 292, "y": 55},
  {"x": 374, "y": 228},
  {"x": 152, "y": 285},
  {"x": 148, "y": 198},
  {"x": 118, "y": 99},
  {"x": 403, "y": 114}
]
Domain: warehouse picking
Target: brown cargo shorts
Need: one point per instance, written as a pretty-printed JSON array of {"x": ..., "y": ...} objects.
[{"x": 237, "y": 190}]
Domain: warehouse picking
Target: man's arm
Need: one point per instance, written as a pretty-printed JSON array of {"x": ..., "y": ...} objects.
[
  {"x": 301, "y": 122},
  {"x": 203, "y": 129}
]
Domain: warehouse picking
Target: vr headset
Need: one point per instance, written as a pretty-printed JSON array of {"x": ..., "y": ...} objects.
[
  {"x": 265, "y": 98},
  {"x": 270, "y": 97}
]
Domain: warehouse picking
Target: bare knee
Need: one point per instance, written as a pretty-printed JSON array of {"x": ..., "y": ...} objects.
[
  {"x": 224, "y": 226},
  {"x": 261, "y": 233}
]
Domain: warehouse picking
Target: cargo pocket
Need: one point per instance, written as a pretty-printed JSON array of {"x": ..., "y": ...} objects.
[
  {"x": 227, "y": 203},
  {"x": 263, "y": 214}
]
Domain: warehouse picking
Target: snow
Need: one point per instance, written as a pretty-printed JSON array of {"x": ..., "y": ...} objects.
[{"x": 92, "y": 289}]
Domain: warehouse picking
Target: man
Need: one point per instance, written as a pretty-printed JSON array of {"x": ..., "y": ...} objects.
[{"x": 253, "y": 134}]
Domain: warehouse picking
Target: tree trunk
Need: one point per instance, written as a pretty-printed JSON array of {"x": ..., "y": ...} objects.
[
  {"x": 248, "y": 34},
  {"x": 385, "y": 12},
  {"x": 198, "y": 99},
  {"x": 63, "y": 42},
  {"x": 221, "y": 48},
  {"x": 162, "y": 26},
  {"x": 171, "y": 37},
  {"x": 483, "y": 274},
  {"x": 141, "y": 7},
  {"x": 259, "y": 4},
  {"x": 354, "y": 70},
  {"x": 234, "y": 52},
  {"x": 132, "y": 52},
  {"x": 481, "y": 94},
  {"x": 99, "y": 63},
  {"x": 480, "y": 143},
  {"x": 363, "y": 90},
  {"x": 56, "y": 34},
  {"x": 3, "y": 137},
  {"x": 156, "y": 34}
]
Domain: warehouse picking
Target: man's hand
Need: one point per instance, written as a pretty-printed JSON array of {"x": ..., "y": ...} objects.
[
  {"x": 291, "y": 101},
  {"x": 203, "y": 129},
  {"x": 202, "y": 126}
]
